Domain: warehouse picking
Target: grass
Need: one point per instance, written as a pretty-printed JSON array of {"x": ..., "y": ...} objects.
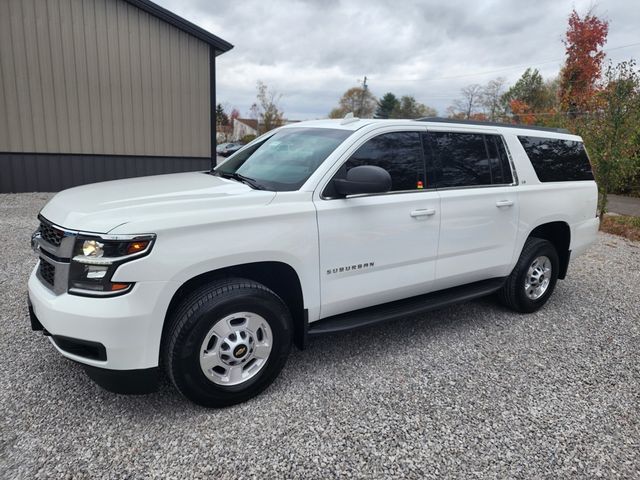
[{"x": 623, "y": 225}]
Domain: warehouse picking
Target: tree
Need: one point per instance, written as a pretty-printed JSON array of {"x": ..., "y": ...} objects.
[
  {"x": 337, "y": 113},
  {"x": 529, "y": 89},
  {"x": 552, "y": 91},
  {"x": 358, "y": 100},
  {"x": 532, "y": 99},
  {"x": 491, "y": 99},
  {"x": 612, "y": 130},
  {"x": 469, "y": 104},
  {"x": 584, "y": 41},
  {"x": 408, "y": 107},
  {"x": 221, "y": 117},
  {"x": 521, "y": 112},
  {"x": 267, "y": 108},
  {"x": 254, "y": 111},
  {"x": 386, "y": 105}
]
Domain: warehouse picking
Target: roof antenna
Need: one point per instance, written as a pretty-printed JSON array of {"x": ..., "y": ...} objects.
[{"x": 349, "y": 118}]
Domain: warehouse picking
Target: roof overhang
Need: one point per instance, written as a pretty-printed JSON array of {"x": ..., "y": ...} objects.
[{"x": 220, "y": 46}]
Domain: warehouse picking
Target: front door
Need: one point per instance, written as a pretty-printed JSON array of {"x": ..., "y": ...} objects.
[{"x": 379, "y": 248}]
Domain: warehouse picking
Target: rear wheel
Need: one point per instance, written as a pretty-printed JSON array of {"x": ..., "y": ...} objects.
[
  {"x": 227, "y": 342},
  {"x": 534, "y": 277}
]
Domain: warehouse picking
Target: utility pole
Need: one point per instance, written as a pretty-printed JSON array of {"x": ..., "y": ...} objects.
[{"x": 364, "y": 93}]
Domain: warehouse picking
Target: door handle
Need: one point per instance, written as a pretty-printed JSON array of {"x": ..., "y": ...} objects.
[
  {"x": 504, "y": 203},
  {"x": 425, "y": 212}
]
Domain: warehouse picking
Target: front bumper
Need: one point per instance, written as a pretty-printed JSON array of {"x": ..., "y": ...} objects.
[{"x": 129, "y": 327}]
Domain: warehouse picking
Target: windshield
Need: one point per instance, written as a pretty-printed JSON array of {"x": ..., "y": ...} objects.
[{"x": 286, "y": 159}]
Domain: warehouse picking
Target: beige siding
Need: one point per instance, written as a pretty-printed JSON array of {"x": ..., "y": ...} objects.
[{"x": 100, "y": 77}]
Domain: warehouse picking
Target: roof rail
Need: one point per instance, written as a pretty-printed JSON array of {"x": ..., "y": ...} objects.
[{"x": 482, "y": 123}]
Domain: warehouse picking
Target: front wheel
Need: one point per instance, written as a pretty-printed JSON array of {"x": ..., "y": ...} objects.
[
  {"x": 534, "y": 277},
  {"x": 227, "y": 342}
]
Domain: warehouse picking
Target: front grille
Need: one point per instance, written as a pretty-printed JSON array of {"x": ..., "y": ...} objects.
[
  {"x": 47, "y": 272},
  {"x": 51, "y": 234},
  {"x": 55, "y": 247}
]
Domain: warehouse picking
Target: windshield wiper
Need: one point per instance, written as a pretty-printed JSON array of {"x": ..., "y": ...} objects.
[{"x": 241, "y": 178}]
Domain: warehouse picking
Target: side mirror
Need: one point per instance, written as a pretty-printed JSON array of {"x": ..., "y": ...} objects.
[{"x": 363, "y": 179}]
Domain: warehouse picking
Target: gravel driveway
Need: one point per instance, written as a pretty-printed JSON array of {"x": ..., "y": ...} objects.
[{"x": 468, "y": 391}]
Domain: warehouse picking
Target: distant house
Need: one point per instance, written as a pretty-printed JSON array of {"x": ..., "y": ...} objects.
[
  {"x": 243, "y": 127},
  {"x": 246, "y": 126},
  {"x": 224, "y": 133}
]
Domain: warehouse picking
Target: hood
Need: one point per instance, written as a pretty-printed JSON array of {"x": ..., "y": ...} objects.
[{"x": 101, "y": 207}]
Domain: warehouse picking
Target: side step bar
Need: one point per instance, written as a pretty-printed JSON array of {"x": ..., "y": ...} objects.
[{"x": 403, "y": 308}]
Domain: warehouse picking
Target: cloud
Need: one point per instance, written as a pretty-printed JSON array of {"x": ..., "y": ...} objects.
[{"x": 312, "y": 51}]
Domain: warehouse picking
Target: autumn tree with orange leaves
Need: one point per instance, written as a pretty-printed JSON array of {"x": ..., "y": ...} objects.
[
  {"x": 521, "y": 112},
  {"x": 602, "y": 104},
  {"x": 583, "y": 67}
]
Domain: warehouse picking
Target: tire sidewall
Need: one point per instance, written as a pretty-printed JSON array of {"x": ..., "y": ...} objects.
[
  {"x": 185, "y": 363},
  {"x": 544, "y": 249}
]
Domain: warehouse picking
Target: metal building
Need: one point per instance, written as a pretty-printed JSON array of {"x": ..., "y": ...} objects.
[{"x": 94, "y": 90}]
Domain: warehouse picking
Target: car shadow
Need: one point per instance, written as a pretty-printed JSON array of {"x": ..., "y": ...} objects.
[{"x": 328, "y": 352}]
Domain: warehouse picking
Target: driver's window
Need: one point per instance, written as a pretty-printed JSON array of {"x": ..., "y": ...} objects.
[{"x": 399, "y": 153}]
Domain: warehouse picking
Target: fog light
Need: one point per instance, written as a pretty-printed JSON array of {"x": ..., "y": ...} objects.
[{"x": 95, "y": 272}]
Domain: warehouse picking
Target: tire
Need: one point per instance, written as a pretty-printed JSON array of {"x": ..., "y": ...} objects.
[
  {"x": 248, "y": 333},
  {"x": 513, "y": 293}
]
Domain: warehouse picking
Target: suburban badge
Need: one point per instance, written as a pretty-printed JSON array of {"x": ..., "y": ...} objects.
[{"x": 349, "y": 268}]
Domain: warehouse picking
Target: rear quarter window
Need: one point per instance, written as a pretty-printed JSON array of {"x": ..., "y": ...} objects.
[{"x": 557, "y": 160}]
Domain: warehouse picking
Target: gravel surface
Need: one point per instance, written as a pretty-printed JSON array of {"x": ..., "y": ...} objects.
[{"x": 469, "y": 391}]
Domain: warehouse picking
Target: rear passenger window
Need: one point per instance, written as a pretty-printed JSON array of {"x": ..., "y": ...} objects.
[
  {"x": 399, "y": 153},
  {"x": 556, "y": 160},
  {"x": 460, "y": 159}
]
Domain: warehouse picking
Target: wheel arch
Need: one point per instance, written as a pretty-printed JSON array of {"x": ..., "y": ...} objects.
[
  {"x": 559, "y": 234},
  {"x": 279, "y": 277}
]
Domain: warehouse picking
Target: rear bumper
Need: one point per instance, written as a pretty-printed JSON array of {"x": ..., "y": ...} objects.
[{"x": 583, "y": 235}]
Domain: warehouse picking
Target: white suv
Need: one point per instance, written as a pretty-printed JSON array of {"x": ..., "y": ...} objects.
[{"x": 312, "y": 228}]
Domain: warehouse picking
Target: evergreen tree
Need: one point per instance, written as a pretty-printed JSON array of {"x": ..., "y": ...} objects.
[
  {"x": 221, "y": 117},
  {"x": 408, "y": 107},
  {"x": 530, "y": 89},
  {"x": 386, "y": 106}
]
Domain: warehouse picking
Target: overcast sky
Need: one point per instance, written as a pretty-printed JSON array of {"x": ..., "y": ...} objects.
[{"x": 312, "y": 51}]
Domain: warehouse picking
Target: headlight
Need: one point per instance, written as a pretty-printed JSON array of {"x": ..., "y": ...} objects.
[
  {"x": 92, "y": 248},
  {"x": 95, "y": 260}
]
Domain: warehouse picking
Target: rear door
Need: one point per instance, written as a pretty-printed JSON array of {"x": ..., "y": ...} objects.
[
  {"x": 382, "y": 247},
  {"x": 479, "y": 205}
]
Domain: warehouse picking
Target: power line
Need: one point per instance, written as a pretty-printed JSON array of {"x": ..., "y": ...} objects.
[{"x": 503, "y": 69}]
